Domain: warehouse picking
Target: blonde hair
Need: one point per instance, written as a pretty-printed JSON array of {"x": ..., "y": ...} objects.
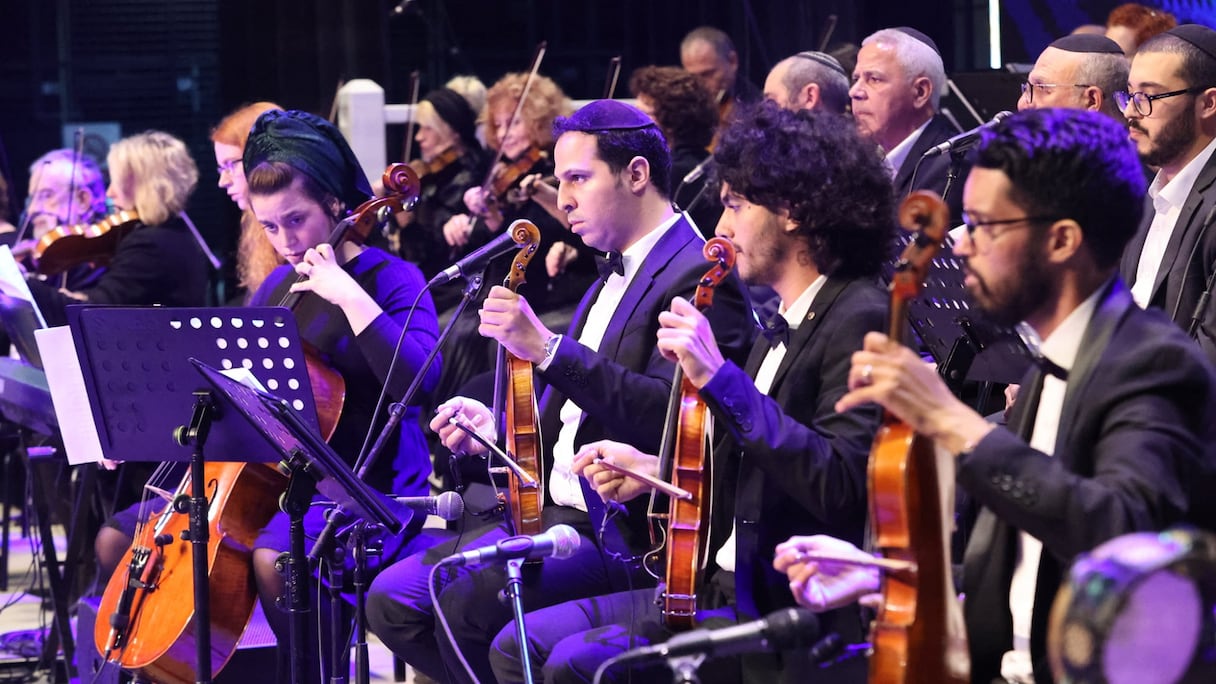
[
  {"x": 156, "y": 171},
  {"x": 425, "y": 115},
  {"x": 471, "y": 89},
  {"x": 255, "y": 256},
  {"x": 545, "y": 102}
]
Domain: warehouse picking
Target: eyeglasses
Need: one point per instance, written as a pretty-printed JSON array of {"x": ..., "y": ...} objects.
[
  {"x": 972, "y": 225},
  {"x": 1143, "y": 103},
  {"x": 227, "y": 167},
  {"x": 1028, "y": 88}
]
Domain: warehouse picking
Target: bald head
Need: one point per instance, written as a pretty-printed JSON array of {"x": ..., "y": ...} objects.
[{"x": 808, "y": 80}]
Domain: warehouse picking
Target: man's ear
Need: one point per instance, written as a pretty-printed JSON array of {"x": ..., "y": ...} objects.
[{"x": 639, "y": 174}]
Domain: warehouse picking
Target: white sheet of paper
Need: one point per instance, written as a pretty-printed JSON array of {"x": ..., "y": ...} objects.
[
  {"x": 13, "y": 284},
  {"x": 68, "y": 394}
]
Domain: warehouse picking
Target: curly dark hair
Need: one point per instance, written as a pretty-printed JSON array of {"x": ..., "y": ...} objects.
[
  {"x": 1067, "y": 163},
  {"x": 683, "y": 108},
  {"x": 833, "y": 183}
]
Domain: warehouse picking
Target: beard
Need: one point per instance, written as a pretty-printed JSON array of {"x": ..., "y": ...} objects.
[
  {"x": 1171, "y": 141},
  {"x": 1014, "y": 300}
]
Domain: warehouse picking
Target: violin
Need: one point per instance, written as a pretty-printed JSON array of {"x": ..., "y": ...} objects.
[
  {"x": 514, "y": 392},
  {"x": 423, "y": 168},
  {"x": 64, "y": 247},
  {"x": 685, "y": 463},
  {"x": 507, "y": 174},
  {"x": 919, "y": 634}
]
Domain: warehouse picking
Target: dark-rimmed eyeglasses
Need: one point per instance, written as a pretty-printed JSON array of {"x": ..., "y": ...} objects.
[
  {"x": 1028, "y": 88},
  {"x": 972, "y": 225},
  {"x": 1143, "y": 102}
]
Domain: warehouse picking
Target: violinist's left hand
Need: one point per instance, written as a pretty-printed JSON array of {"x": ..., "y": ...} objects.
[
  {"x": 508, "y": 318},
  {"x": 686, "y": 338},
  {"x": 824, "y": 585},
  {"x": 560, "y": 256},
  {"x": 326, "y": 278}
]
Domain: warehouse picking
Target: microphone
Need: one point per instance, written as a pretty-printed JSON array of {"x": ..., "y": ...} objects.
[
  {"x": 447, "y": 505},
  {"x": 401, "y": 7},
  {"x": 477, "y": 260},
  {"x": 965, "y": 139},
  {"x": 697, "y": 171},
  {"x": 781, "y": 630},
  {"x": 560, "y": 541}
]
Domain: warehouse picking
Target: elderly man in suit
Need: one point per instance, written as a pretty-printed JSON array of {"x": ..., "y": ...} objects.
[
  {"x": 786, "y": 460},
  {"x": 606, "y": 380},
  {"x": 897, "y": 87},
  {"x": 1114, "y": 426}
]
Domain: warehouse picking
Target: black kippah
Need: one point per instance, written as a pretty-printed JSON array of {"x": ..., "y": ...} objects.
[
  {"x": 314, "y": 146},
  {"x": 823, "y": 58},
  {"x": 456, "y": 112},
  {"x": 607, "y": 115},
  {"x": 1201, "y": 37},
  {"x": 908, "y": 30},
  {"x": 1087, "y": 42}
]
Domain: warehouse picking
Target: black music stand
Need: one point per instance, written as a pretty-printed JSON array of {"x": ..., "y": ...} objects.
[
  {"x": 140, "y": 385},
  {"x": 966, "y": 345},
  {"x": 302, "y": 448},
  {"x": 20, "y": 319}
]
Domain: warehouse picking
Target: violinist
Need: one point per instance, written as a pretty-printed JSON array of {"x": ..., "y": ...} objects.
[
  {"x": 158, "y": 262},
  {"x": 303, "y": 178},
  {"x": 605, "y": 380},
  {"x": 785, "y": 459},
  {"x": 709, "y": 54},
  {"x": 255, "y": 256},
  {"x": 524, "y": 147},
  {"x": 451, "y": 160},
  {"x": 65, "y": 189},
  {"x": 1054, "y": 197}
]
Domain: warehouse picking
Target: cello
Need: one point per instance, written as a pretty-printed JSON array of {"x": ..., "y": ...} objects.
[
  {"x": 150, "y": 629},
  {"x": 515, "y": 395},
  {"x": 918, "y": 634},
  {"x": 685, "y": 463}
]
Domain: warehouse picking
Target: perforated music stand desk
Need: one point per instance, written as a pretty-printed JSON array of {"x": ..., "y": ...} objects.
[{"x": 140, "y": 382}]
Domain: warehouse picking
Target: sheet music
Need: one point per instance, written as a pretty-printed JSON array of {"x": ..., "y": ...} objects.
[
  {"x": 66, "y": 380},
  {"x": 13, "y": 284}
]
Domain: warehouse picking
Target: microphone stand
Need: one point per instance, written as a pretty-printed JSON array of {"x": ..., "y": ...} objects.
[
  {"x": 956, "y": 165},
  {"x": 514, "y": 593}
]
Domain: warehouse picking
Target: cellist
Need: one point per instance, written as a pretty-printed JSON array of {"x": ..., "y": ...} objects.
[
  {"x": 785, "y": 459},
  {"x": 303, "y": 178},
  {"x": 606, "y": 380},
  {"x": 1113, "y": 428}
]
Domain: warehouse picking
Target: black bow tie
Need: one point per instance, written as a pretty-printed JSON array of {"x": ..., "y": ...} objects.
[
  {"x": 609, "y": 263},
  {"x": 1050, "y": 367},
  {"x": 777, "y": 331}
]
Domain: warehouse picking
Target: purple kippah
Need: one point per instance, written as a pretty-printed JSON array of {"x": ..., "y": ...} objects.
[
  {"x": 1087, "y": 42},
  {"x": 606, "y": 115},
  {"x": 1201, "y": 37},
  {"x": 908, "y": 30}
]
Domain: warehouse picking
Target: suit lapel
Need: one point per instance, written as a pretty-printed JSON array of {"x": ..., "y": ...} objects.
[
  {"x": 937, "y": 131},
  {"x": 1130, "y": 263},
  {"x": 801, "y": 337},
  {"x": 1195, "y": 203}
]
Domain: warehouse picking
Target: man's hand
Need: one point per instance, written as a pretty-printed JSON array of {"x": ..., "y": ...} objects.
[
  {"x": 893, "y": 376},
  {"x": 686, "y": 338},
  {"x": 507, "y": 318},
  {"x": 559, "y": 257},
  {"x": 471, "y": 413},
  {"x": 611, "y": 485},
  {"x": 457, "y": 229},
  {"x": 822, "y": 585}
]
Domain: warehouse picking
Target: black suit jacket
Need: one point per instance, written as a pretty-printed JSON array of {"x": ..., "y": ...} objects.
[
  {"x": 623, "y": 388},
  {"x": 933, "y": 172},
  {"x": 1135, "y": 429},
  {"x": 1189, "y": 260},
  {"x": 789, "y": 464}
]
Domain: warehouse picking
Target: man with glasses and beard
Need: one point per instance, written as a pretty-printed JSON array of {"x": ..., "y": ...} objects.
[
  {"x": 1171, "y": 114},
  {"x": 1113, "y": 428}
]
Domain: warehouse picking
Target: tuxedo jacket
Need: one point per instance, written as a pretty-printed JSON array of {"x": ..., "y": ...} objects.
[
  {"x": 623, "y": 389},
  {"x": 1134, "y": 432},
  {"x": 933, "y": 172},
  {"x": 1189, "y": 260}
]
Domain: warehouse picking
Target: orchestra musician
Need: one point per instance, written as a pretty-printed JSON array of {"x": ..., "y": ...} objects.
[
  {"x": 255, "y": 256},
  {"x": 451, "y": 160},
  {"x": 303, "y": 178},
  {"x": 785, "y": 459},
  {"x": 525, "y": 147},
  {"x": 709, "y": 54},
  {"x": 159, "y": 261},
  {"x": 1113, "y": 429},
  {"x": 605, "y": 380}
]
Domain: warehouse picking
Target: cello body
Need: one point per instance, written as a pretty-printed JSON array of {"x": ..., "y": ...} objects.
[{"x": 155, "y": 582}]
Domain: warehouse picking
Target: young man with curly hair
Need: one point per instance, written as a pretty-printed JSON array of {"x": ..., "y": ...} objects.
[{"x": 785, "y": 460}]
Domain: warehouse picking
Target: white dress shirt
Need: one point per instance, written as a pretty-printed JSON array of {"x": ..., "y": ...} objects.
[{"x": 899, "y": 154}]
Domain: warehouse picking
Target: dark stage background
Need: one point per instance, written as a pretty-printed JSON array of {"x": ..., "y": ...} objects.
[{"x": 179, "y": 65}]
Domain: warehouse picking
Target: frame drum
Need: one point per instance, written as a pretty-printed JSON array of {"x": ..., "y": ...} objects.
[{"x": 1138, "y": 609}]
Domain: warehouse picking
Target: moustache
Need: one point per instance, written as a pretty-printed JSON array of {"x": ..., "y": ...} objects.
[{"x": 1136, "y": 125}]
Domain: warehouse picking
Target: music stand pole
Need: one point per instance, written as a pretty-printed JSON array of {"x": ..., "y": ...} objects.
[
  {"x": 360, "y": 542},
  {"x": 195, "y": 434},
  {"x": 337, "y": 647},
  {"x": 514, "y": 594}
]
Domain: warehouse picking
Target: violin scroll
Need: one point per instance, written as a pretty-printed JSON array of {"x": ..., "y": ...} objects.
[{"x": 722, "y": 252}]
